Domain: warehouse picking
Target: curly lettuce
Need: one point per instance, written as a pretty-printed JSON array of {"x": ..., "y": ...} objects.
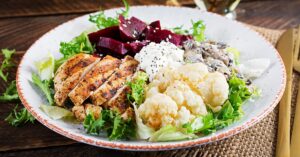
[
  {"x": 110, "y": 122},
  {"x": 197, "y": 30},
  {"x": 137, "y": 86},
  {"x": 102, "y": 21},
  {"x": 6, "y": 63},
  {"x": 19, "y": 117}
]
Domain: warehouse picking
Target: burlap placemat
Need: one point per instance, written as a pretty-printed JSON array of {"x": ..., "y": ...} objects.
[{"x": 257, "y": 141}]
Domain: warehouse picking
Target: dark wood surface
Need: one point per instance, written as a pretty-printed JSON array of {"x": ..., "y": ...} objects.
[{"x": 22, "y": 22}]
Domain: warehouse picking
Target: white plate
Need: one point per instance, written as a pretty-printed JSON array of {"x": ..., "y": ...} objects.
[{"x": 250, "y": 43}]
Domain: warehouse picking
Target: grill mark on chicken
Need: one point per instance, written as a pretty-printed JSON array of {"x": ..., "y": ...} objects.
[
  {"x": 116, "y": 81},
  {"x": 69, "y": 67},
  {"x": 119, "y": 102},
  {"x": 94, "y": 79},
  {"x": 64, "y": 84}
]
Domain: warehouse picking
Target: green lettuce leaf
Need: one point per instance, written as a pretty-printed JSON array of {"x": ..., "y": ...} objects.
[
  {"x": 10, "y": 93},
  {"x": 56, "y": 112},
  {"x": 198, "y": 30},
  {"x": 111, "y": 123},
  {"x": 6, "y": 63},
  {"x": 235, "y": 52},
  {"x": 45, "y": 86},
  {"x": 137, "y": 86},
  {"x": 79, "y": 44},
  {"x": 45, "y": 67},
  {"x": 170, "y": 133},
  {"x": 102, "y": 21},
  {"x": 180, "y": 30},
  {"x": 19, "y": 117}
]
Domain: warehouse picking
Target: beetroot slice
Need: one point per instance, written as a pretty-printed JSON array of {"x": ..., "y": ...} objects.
[
  {"x": 131, "y": 29},
  {"x": 155, "y": 24},
  {"x": 111, "y": 45},
  {"x": 110, "y": 32},
  {"x": 136, "y": 46},
  {"x": 157, "y": 35}
]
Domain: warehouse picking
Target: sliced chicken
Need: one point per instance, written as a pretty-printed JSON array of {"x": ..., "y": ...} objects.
[
  {"x": 128, "y": 114},
  {"x": 81, "y": 111},
  {"x": 119, "y": 101},
  {"x": 116, "y": 81},
  {"x": 70, "y": 74},
  {"x": 69, "y": 67},
  {"x": 94, "y": 79}
]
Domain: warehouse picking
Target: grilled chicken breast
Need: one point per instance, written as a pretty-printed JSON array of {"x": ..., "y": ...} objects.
[
  {"x": 94, "y": 79},
  {"x": 81, "y": 111},
  {"x": 69, "y": 74},
  {"x": 119, "y": 101},
  {"x": 116, "y": 81}
]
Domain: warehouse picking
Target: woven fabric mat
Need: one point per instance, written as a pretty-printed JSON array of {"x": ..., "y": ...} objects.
[{"x": 257, "y": 141}]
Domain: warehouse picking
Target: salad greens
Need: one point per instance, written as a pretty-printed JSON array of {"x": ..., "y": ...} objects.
[
  {"x": 103, "y": 22},
  {"x": 17, "y": 118},
  {"x": 110, "y": 122},
  {"x": 6, "y": 63},
  {"x": 137, "y": 86},
  {"x": 56, "y": 112},
  {"x": 197, "y": 30},
  {"x": 230, "y": 112},
  {"x": 170, "y": 133},
  {"x": 235, "y": 52},
  {"x": 45, "y": 67},
  {"x": 77, "y": 45},
  {"x": 46, "y": 86},
  {"x": 10, "y": 93}
]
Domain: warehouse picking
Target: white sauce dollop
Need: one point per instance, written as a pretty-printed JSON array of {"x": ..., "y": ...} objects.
[{"x": 155, "y": 56}]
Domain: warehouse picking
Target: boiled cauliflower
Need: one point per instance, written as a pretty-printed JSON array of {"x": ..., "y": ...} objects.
[
  {"x": 158, "y": 111},
  {"x": 184, "y": 116},
  {"x": 164, "y": 78},
  {"x": 183, "y": 95},
  {"x": 193, "y": 73},
  {"x": 214, "y": 90},
  {"x": 177, "y": 96}
]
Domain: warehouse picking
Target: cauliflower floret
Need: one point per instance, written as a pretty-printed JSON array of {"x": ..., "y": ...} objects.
[
  {"x": 184, "y": 116},
  {"x": 152, "y": 91},
  {"x": 195, "y": 103},
  {"x": 183, "y": 95},
  {"x": 193, "y": 73},
  {"x": 214, "y": 90},
  {"x": 164, "y": 78},
  {"x": 158, "y": 111}
]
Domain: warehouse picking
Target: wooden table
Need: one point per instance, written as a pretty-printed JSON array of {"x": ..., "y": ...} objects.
[{"x": 22, "y": 22}]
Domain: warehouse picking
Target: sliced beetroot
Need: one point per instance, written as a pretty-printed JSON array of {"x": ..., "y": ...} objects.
[
  {"x": 111, "y": 45},
  {"x": 131, "y": 29},
  {"x": 155, "y": 24},
  {"x": 110, "y": 32},
  {"x": 158, "y": 35},
  {"x": 136, "y": 46}
]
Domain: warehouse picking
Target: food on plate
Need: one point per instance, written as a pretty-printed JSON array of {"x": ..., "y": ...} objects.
[{"x": 137, "y": 80}]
